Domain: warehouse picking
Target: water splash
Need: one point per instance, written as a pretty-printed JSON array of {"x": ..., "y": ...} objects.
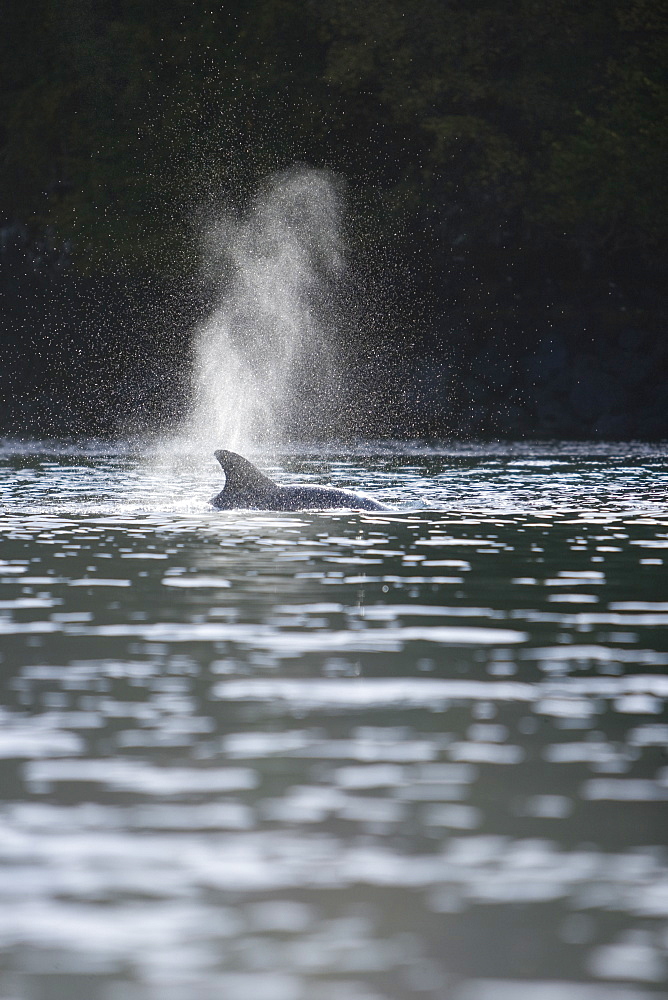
[{"x": 265, "y": 359}]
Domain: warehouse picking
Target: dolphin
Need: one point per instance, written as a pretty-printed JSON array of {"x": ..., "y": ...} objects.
[{"x": 247, "y": 488}]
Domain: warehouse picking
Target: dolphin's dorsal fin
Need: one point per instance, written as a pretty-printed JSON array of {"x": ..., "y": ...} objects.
[{"x": 241, "y": 476}]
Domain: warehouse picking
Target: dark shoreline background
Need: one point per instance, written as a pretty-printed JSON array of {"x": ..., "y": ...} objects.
[{"x": 506, "y": 176}]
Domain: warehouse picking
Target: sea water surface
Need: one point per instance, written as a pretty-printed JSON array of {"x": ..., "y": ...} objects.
[{"x": 338, "y": 755}]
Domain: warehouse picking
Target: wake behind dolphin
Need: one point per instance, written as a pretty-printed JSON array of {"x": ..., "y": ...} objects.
[{"x": 249, "y": 489}]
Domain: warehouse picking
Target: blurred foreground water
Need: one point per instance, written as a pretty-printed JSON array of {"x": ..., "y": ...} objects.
[{"x": 337, "y": 756}]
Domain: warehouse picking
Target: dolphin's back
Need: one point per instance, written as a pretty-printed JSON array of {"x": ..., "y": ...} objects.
[
  {"x": 240, "y": 474},
  {"x": 248, "y": 488},
  {"x": 323, "y": 497}
]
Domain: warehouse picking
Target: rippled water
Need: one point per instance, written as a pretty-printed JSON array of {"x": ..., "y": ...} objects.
[{"x": 335, "y": 756}]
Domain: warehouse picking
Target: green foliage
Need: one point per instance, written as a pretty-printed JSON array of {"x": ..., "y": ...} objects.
[
  {"x": 468, "y": 123},
  {"x": 605, "y": 176},
  {"x": 543, "y": 117}
]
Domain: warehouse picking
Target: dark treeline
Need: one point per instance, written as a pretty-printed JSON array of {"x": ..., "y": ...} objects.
[{"x": 506, "y": 167}]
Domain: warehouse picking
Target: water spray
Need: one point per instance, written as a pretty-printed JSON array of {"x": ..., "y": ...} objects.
[{"x": 265, "y": 361}]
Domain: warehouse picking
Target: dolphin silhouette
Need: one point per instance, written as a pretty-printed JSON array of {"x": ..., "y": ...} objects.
[{"x": 247, "y": 488}]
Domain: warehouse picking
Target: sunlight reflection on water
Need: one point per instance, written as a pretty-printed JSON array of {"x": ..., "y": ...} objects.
[{"x": 420, "y": 753}]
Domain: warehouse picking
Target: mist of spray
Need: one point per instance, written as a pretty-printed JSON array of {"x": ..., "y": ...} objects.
[{"x": 265, "y": 362}]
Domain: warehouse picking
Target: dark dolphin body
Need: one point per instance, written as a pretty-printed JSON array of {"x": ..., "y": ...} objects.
[{"x": 246, "y": 488}]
